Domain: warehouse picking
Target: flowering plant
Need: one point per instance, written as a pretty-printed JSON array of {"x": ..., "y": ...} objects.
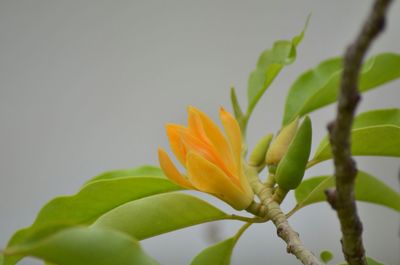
[
  {"x": 103, "y": 223},
  {"x": 213, "y": 161}
]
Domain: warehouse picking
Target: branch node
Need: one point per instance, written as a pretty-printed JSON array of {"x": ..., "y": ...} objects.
[{"x": 331, "y": 197}]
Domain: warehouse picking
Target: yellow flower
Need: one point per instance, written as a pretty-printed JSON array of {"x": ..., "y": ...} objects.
[{"x": 213, "y": 161}]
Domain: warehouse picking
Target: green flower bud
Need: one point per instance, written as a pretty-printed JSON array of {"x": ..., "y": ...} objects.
[
  {"x": 291, "y": 168},
  {"x": 257, "y": 157},
  {"x": 281, "y": 143}
]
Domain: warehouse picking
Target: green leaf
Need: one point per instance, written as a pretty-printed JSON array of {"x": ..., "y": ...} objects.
[
  {"x": 85, "y": 246},
  {"x": 367, "y": 189},
  {"x": 318, "y": 87},
  {"x": 377, "y": 117},
  {"x": 94, "y": 200},
  {"x": 220, "y": 253},
  {"x": 312, "y": 190},
  {"x": 270, "y": 63},
  {"x": 159, "y": 214},
  {"x": 370, "y": 261},
  {"x": 237, "y": 110},
  {"x": 326, "y": 256},
  {"x": 134, "y": 172},
  {"x": 375, "y": 133}
]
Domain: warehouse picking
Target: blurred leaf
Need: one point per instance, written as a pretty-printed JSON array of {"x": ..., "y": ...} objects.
[
  {"x": 375, "y": 133},
  {"x": 318, "y": 87},
  {"x": 326, "y": 256},
  {"x": 367, "y": 189},
  {"x": 370, "y": 261},
  {"x": 142, "y": 171},
  {"x": 85, "y": 246},
  {"x": 220, "y": 253},
  {"x": 237, "y": 110},
  {"x": 95, "y": 199},
  {"x": 377, "y": 117},
  {"x": 159, "y": 214},
  {"x": 270, "y": 63}
]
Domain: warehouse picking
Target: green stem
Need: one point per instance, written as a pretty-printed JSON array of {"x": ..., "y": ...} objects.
[
  {"x": 252, "y": 176},
  {"x": 248, "y": 219},
  {"x": 293, "y": 211},
  {"x": 312, "y": 163},
  {"x": 241, "y": 231},
  {"x": 257, "y": 209},
  {"x": 279, "y": 195},
  {"x": 285, "y": 231},
  {"x": 270, "y": 209}
]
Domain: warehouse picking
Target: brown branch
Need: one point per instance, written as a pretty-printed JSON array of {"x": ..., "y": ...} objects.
[{"x": 340, "y": 132}]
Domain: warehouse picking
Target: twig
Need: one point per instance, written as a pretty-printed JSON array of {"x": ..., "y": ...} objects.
[
  {"x": 285, "y": 231},
  {"x": 269, "y": 208},
  {"x": 340, "y": 132}
]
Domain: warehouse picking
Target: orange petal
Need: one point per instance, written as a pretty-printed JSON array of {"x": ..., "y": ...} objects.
[
  {"x": 194, "y": 144},
  {"x": 171, "y": 171},
  {"x": 233, "y": 133},
  {"x": 206, "y": 177},
  {"x": 195, "y": 125},
  {"x": 216, "y": 138},
  {"x": 175, "y": 141}
]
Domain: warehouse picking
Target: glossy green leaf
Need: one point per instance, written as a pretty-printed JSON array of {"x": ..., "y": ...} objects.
[
  {"x": 367, "y": 189},
  {"x": 220, "y": 253},
  {"x": 326, "y": 256},
  {"x": 318, "y": 87},
  {"x": 270, "y": 63},
  {"x": 142, "y": 171},
  {"x": 85, "y": 246},
  {"x": 377, "y": 117},
  {"x": 159, "y": 214},
  {"x": 94, "y": 200},
  {"x": 375, "y": 133}
]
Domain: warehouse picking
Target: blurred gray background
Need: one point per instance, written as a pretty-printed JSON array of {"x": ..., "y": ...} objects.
[{"x": 87, "y": 86}]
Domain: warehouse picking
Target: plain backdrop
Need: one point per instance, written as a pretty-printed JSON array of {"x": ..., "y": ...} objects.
[{"x": 87, "y": 86}]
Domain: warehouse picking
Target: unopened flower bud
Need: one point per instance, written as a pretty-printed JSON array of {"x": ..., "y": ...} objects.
[
  {"x": 281, "y": 143},
  {"x": 257, "y": 157},
  {"x": 291, "y": 168}
]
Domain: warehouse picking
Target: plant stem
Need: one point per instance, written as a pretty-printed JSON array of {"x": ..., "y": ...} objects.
[
  {"x": 284, "y": 230},
  {"x": 270, "y": 209},
  {"x": 340, "y": 132}
]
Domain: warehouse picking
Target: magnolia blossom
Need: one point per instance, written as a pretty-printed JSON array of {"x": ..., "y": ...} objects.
[{"x": 213, "y": 160}]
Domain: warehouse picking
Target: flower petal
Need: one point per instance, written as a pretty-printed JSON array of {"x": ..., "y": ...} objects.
[
  {"x": 207, "y": 177},
  {"x": 194, "y": 144},
  {"x": 195, "y": 125},
  {"x": 175, "y": 141},
  {"x": 171, "y": 171},
  {"x": 233, "y": 133},
  {"x": 216, "y": 138}
]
